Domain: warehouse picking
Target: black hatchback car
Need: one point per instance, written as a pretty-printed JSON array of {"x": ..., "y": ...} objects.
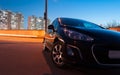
[{"x": 74, "y": 41}]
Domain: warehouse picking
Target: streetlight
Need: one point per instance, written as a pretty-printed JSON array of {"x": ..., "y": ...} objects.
[{"x": 45, "y": 14}]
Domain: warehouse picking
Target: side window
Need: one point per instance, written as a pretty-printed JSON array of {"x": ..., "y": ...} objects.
[
  {"x": 55, "y": 24},
  {"x": 50, "y": 31}
]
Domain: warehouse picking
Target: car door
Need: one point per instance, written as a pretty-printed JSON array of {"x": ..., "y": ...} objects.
[{"x": 49, "y": 37}]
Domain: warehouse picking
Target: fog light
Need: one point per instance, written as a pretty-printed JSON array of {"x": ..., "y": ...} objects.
[{"x": 70, "y": 52}]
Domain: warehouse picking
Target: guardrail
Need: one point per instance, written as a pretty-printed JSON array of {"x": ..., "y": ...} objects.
[{"x": 23, "y": 33}]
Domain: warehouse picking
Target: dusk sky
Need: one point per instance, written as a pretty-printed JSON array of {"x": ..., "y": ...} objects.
[{"x": 97, "y": 11}]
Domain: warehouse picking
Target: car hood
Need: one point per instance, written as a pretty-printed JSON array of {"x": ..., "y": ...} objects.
[{"x": 104, "y": 34}]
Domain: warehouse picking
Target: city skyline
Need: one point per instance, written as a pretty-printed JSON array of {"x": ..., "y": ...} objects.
[
  {"x": 97, "y": 11},
  {"x": 11, "y": 20}
]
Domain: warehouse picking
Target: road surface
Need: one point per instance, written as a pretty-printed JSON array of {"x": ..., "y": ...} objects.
[{"x": 24, "y": 56}]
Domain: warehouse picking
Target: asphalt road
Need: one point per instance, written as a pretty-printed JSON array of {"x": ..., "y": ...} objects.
[{"x": 26, "y": 57}]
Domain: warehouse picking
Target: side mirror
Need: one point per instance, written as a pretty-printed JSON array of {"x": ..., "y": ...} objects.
[{"x": 51, "y": 27}]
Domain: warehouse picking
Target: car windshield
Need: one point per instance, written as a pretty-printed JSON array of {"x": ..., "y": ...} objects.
[{"x": 79, "y": 23}]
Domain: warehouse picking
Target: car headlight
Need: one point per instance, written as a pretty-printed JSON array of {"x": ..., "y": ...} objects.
[{"x": 77, "y": 36}]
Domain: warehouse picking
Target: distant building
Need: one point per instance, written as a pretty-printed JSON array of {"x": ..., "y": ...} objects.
[
  {"x": 20, "y": 21},
  {"x": 32, "y": 22},
  {"x": 36, "y": 23},
  {"x": 11, "y": 20}
]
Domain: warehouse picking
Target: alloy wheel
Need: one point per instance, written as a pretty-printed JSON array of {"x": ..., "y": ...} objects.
[{"x": 57, "y": 55}]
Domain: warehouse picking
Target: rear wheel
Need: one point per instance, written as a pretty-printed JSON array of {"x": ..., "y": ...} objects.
[{"x": 57, "y": 55}]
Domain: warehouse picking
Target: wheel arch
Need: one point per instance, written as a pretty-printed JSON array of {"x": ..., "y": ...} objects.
[{"x": 58, "y": 39}]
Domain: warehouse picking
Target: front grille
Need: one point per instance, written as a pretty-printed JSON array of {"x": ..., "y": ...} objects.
[{"x": 103, "y": 55}]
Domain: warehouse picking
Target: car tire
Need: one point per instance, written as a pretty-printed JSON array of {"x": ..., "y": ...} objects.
[{"x": 57, "y": 55}]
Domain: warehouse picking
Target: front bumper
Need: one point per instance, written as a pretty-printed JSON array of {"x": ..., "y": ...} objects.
[
  {"x": 93, "y": 54},
  {"x": 78, "y": 53},
  {"x": 106, "y": 54}
]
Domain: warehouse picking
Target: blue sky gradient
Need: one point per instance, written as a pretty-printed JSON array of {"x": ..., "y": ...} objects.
[{"x": 97, "y": 11}]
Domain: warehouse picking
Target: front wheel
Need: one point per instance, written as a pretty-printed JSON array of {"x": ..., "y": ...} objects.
[{"x": 57, "y": 55}]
